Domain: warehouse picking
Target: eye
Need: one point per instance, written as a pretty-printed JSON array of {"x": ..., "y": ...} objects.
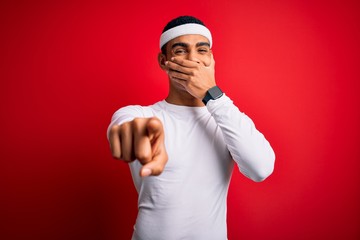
[
  {"x": 203, "y": 50},
  {"x": 179, "y": 51}
]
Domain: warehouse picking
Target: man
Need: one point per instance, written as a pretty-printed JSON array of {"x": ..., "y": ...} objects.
[{"x": 182, "y": 150}]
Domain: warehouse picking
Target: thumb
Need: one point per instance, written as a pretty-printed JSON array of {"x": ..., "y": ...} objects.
[{"x": 156, "y": 166}]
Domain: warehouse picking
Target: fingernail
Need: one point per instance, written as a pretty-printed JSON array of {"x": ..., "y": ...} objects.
[
  {"x": 146, "y": 172},
  {"x": 167, "y": 62},
  {"x": 172, "y": 59}
]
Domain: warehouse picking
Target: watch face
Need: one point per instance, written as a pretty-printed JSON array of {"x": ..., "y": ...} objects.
[
  {"x": 215, "y": 92},
  {"x": 212, "y": 94}
]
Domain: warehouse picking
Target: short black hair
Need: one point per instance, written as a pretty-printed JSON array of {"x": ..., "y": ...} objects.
[{"x": 179, "y": 21}]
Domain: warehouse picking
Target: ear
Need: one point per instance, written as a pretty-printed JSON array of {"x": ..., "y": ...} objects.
[{"x": 161, "y": 61}]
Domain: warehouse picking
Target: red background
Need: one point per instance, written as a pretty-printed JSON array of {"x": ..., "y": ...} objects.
[{"x": 66, "y": 66}]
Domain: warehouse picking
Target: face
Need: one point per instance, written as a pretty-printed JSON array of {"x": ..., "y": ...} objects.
[{"x": 191, "y": 47}]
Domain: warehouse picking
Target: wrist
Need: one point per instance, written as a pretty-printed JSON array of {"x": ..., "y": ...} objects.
[{"x": 212, "y": 94}]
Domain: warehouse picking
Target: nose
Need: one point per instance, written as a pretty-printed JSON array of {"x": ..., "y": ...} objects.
[{"x": 193, "y": 56}]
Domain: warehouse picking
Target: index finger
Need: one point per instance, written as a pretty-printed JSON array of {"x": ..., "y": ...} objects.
[
  {"x": 184, "y": 62},
  {"x": 154, "y": 127}
]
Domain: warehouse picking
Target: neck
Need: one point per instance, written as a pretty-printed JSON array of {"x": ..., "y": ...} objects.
[{"x": 183, "y": 98}]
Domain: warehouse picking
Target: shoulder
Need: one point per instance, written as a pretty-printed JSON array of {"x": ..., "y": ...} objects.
[
  {"x": 137, "y": 110},
  {"x": 133, "y": 111},
  {"x": 130, "y": 109}
]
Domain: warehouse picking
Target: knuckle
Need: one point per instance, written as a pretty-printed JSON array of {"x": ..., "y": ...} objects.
[
  {"x": 155, "y": 120},
  {"x": 136, "y": 120},
  {"x": 124, "y": 127},
  {"x": 115, "y": 154},
  {"x": 114, "y": 129},
  {"x": 126, "y": 158},
  {"x": 142, "y": 156},
  {"x": 136, "y": 123},
  {"x": 143, "y": 161},
  {"x": 155, "y": 123},
  {"x": 127, "y": 155}
]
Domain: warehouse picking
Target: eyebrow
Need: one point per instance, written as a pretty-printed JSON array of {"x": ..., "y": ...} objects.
[
  {"x": 200, "y": 44},
  {"x": 179, "y": 44},
  {"x": 182, "y": 44}
]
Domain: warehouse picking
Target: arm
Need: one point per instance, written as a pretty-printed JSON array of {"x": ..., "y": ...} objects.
[{"x": 248, "y": 147}]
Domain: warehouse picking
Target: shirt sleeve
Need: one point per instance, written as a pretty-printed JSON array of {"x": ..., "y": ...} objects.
[
  {"x": 125, "y": 114},
  {"x": 248, "y": 147}
]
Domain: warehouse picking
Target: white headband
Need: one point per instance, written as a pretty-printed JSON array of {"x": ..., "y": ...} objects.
[{"x": 188, "y": 28}]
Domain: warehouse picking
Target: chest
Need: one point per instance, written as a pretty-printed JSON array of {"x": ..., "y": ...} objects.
[{"x": 194, "y": 144}]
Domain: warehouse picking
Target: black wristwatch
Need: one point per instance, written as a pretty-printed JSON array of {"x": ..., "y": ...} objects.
[{"x": 212, "y": 94}]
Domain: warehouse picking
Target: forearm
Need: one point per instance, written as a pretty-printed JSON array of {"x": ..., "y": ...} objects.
[{"x": 248, "y": 147}]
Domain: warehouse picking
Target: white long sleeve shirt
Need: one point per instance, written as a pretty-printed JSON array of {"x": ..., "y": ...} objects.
[{"x": 188, "y": 200}]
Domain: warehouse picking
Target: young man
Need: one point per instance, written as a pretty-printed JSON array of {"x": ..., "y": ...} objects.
[{"x": 182, "y": 149}]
